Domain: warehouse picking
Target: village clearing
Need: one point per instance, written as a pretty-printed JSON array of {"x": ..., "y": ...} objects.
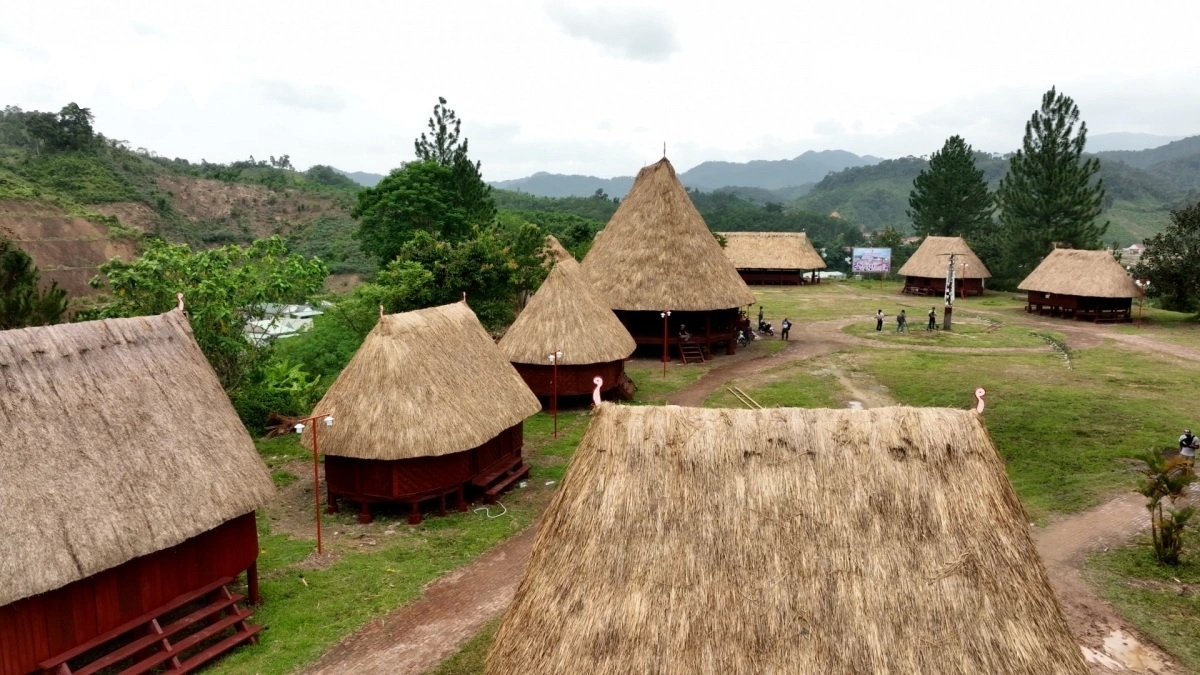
[{"x": 1068, "y": 404}]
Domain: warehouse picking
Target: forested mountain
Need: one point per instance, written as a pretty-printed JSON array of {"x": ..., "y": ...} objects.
[
  {"x": 1125, "y": 141},
  {"x": 363, "y": 178},
  {"x": 785, "y": 177}
]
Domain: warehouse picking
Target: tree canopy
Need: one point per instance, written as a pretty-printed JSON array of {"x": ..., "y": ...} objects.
[
  {"x": 1169, "y": 262},
  {"x": 1051, "y": 193},
  {"x": 22, "y": 302},
  {"x": 950, "y": 197}
]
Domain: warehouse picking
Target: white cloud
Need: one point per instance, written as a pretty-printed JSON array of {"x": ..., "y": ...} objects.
[
  {"x": 635, "y": 33},
  {"x": 317, "y": 98}
]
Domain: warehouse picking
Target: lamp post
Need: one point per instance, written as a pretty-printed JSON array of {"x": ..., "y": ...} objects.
[
  {"x": 328, "y": 419},
  {"x": 949, "y": 295},
  {"x": 554, "y": 359},
  {"x": 666, "y": 353},
  {"x": 1143, "y": 286}
]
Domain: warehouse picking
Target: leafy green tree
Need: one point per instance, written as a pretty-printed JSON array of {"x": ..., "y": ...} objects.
[
  {"x": 418, "y": 197},
  {"x": 444, "y": 147},
  {"x": 1169, "y": 262},
  {"x": 1166, "y": 479},
  {"x": 950, "y": 197},
  {"x": 22, "y": 303},
  {"x": 223, "y": 289},
  {"x": 1051, "y": 194}
]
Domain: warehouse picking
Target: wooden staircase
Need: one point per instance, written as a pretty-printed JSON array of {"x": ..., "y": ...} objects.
[
  {"x": 160, "y": 648},
  {"x": 503, "y": 477},
  {"x": 690, "y": 352}
]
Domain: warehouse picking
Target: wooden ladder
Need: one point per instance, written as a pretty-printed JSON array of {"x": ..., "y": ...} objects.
[
  {"x": 690, "y": 352},
  {"x": 155, "y": 646}
]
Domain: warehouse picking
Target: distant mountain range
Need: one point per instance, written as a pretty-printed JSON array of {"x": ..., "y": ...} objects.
[
  {"x": 362, "y": 177},
  {"x": 799, "y": 172}
]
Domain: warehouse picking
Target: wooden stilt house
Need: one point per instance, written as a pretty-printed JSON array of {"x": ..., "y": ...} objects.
[
  {"x": 427, "y": 409},
  {"x": 925, "y": 271},
  {"x": 656, "y": 255},
  {"x": 1082, "y": 285},
  {"x": 566, "y": 315},
  {"x": 773, "y": 258},
  {"x": 128, "y": 486},
  {"x": 693, "y": 540}
]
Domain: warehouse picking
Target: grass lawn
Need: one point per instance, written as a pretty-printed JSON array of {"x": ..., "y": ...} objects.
[
  {"x": 969, "y": 332},
  {"x": 790, "y": 386},
  {"x": 653, "y": 387},
  {"x": 1163, "y": 602},
  {"x": 1064, "y": 433},
  {"x": 836, "y": 300}
]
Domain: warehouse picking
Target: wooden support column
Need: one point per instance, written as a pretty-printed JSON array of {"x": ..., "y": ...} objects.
[
  {"x": 708, "y": 336},
  {"x": 252, "y": 584}
]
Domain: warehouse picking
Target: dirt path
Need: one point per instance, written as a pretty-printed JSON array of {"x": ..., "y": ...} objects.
[{"x": 418, "y": 636}]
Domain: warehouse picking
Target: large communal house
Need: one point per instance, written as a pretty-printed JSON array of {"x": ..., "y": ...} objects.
[
  {"x": 1078, "y": 284},
  {"x": 773, "y": 258},
  {"x": 428, "y": 408},
  {"x": 657, "y": 255},
  {"x": 129, "y": 488},
  {"x": 692, "y": 540},
  {"x": 566, "y": 317},
  {"x": 925, "y": 271}
]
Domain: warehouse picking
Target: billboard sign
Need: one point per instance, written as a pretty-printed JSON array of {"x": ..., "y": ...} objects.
[{"x": 871, "y": 260}]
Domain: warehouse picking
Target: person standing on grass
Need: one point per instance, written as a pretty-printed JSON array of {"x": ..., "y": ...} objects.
[
  {"x": 760, "y": 317},
  {"x": 1187, "y": 447},
  {"x": 787, "y": 325},
  {"x": 878, "y": 320},
  {"x": 932, "y": 319},
  {"x": 902, "y": 322}
]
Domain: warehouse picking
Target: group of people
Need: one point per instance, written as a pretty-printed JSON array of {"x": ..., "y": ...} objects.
[{"x": 902, "y": 320}]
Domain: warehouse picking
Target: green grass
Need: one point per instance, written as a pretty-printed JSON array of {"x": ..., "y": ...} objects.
[
  {"x": 845, "y": 299},
  {"x": 790, "y": 386},
  {"x": 653, "y": 387},
  {"x": 1063, "y": 433},
  {"x": 1148, "y": 595},
  {"x": 283, "y": 478},
  {"x": 282, "y": 449},
  {"x": 968, "y": 331},
  {"x": 470, "y": 658}
]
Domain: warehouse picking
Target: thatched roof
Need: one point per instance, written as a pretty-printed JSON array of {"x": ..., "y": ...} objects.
[
  {"x": 117, "y": 441},
  {"x": 553, "y": 251},
  {"x": 656, "y": 253},
  {"x": 690, "y": 540},
  {"x": 771, "y": 251},
  {"x": 1093, "y": 274},
  {"x": 932, "y": 257},
  {"x": 424, "y": 383},
  {"x": 566, "y": 314}
]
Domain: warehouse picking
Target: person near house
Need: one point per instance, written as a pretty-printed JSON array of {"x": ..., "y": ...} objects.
[
  {"x": 760, "y": 317},
  {"x": 878, "y": 320},
  {"x": 902, "y": 322},
  {"x": 684, "y": 336},
  {"x": 1188, "y": 445},
  {"x": 787, "y": 325},
  {"x": 932, "y": 319}
]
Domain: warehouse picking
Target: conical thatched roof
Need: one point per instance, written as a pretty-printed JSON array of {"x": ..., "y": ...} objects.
[
  {"x": 690, "y": 540},
  {"x": 771, "y": 251},
  {"x": 932, "y": 257},
  {"x": 566, "y": 314},
  {"x": 553, "y": 251},
  {"x": 656, "y": 253},
  {"x": 116, "y": 441},
  {"x": 424, "y": 383},
  {"x": 1093, "y": 274}
]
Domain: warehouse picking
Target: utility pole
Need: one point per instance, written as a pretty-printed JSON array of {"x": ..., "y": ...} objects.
[{"x": 949, "y": 295}]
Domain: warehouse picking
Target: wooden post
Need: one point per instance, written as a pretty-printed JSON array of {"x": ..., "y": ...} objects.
[
  {"x": 666, "y": 353},
  {"x": 708, "y": 335},
  {"x": 252, "y": 584},
  {"x": 316, "y": 486}
]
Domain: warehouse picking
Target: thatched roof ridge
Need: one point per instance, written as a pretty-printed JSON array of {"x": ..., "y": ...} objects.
[
  {"x": 1092, "y": 274},
  {"x": 656, "y": 252},
  {"x": 424, "y": 383},
  {"x": 117, "y": 442},
  {"x": 690, "y": 540},
  {"x": 566, "y": 314},
  {"x": 771, "y": 251},
  {"x": 554, "y": 251},
  {"x": 931, "y": 258}
]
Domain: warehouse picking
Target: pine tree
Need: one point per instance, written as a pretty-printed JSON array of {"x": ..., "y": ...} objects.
[
  {"x": 1049, "y": 194},
  {"x": 22, "y": 304},
  {"x": 950, "y": 198},
  {"x": 443, "y": 147}
]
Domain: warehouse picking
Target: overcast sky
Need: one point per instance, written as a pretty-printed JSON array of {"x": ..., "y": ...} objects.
[{"x": 597, "y": 87}]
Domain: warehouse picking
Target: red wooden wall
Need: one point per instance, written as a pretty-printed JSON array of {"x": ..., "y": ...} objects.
[
  {"x": 772, "y": 277},
  {"x": 379, "y": 480},
  {"x": 572, "y": 380},
  {"x": 39, "y": 627},
  {"x": 961, "y": 286}
]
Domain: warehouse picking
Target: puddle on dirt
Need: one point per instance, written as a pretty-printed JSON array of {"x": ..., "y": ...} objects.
[{"x": 1123, "y": 651}]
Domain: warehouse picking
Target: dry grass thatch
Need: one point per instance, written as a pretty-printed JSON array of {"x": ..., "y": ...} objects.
[
  {"x": 1092, "y": 274},
  {"x": 771, "y": 251},
  {"x": 566, "y": 314},
  {"x": 689, "y": 540},
  {"x": 117, "y": 442},
  {"x": 656, "y": 253},
  {"x": 932, "y": 257},
  {"x": 553, "y": 251},
  {"x": 424, "y": 383}
]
